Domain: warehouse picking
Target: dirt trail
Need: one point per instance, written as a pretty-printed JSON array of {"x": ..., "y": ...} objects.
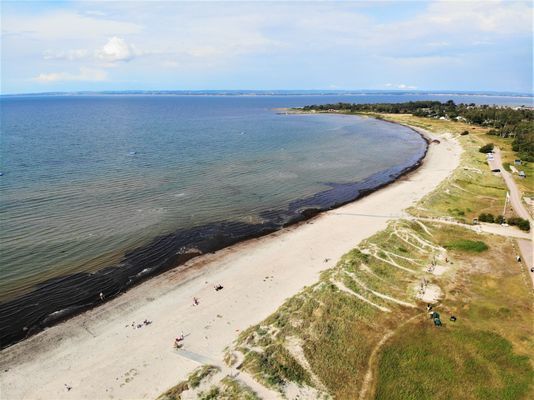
[{"x": 368, "y": 386}]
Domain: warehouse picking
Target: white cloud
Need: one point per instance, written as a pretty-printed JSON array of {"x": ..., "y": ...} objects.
[
  {"x": 401, "y": 86},
  {"x": 116, "y": 49},
  {"x": 84, "y": 74},
  {"x": 70, "y": 55},
  {"x": 64, "y": 25}
]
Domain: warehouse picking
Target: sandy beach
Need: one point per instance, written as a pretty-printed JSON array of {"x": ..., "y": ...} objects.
[{"x": 102, "y": 354}]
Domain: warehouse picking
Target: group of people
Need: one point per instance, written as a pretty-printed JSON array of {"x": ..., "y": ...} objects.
[{"x": 146, "y": 322}]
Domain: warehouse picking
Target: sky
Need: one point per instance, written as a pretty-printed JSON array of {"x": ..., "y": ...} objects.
[{"x": 459, "y": 45}]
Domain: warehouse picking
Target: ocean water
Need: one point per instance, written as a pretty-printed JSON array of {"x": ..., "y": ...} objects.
[{"x": 88, "y": 181}]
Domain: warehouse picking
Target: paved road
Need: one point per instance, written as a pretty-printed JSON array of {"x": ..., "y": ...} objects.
[
  {"x": 515, "y": 194},
  {"x": 525, "y": 247}
]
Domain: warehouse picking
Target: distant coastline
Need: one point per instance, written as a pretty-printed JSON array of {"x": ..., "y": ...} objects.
[{"x": 318, "y": 92}]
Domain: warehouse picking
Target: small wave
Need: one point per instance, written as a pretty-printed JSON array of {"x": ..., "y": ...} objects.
[{"x": 56, "y": 315}]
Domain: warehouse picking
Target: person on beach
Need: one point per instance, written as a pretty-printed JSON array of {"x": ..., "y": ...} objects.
[
  {"x": 178, "y": 340},
  {"x": 218, "y": 287},
  {"x": 195, "y": 301},
  {"x": 101, "y": 296}
]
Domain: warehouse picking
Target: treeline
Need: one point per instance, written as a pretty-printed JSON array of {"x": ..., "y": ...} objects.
[
  {"x": 521, "y": 223},
  {"x": 516, "y": 123}
]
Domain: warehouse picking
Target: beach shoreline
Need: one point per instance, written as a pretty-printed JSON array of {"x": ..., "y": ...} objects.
[
  {"x": 101, "y": 355},
  {"x": 64, "y": 297}
]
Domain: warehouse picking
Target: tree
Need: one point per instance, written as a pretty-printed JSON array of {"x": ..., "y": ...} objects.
[{"x": 487, "y": 148}]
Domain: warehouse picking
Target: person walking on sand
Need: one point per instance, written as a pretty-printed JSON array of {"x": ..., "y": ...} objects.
[{"x": 195, "y": 301}]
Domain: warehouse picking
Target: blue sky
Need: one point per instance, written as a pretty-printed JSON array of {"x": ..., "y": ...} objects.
[{"x": 175, "y": 45}]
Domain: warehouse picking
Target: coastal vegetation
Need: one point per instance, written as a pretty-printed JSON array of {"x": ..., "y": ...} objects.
[
  {"x": 476, "y": 246},
  {"x": 193, "y": 381},
  {"x": 362, "y": 331},
  {"x": 487, "y": 148},
  {"x": 365, "y": 318},
  {"x": 521, "y": 223}
]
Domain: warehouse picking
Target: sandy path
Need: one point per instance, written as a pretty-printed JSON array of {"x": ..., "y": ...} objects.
[{"x": 101, "y": 356}]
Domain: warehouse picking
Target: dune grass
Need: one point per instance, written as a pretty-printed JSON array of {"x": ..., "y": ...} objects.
[
  {"x": 235, "y": 390},
  {"x": 228, "y": 389},
  {"x": 193, "y": 381},
  {"x": 336, "y": 329},
  {"x": 487, "y": 350}
]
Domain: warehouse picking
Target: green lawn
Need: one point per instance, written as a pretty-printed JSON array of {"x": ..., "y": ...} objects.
[{"x": 451, "y": 363}]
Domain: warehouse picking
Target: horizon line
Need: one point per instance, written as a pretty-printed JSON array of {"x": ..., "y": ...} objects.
[{"x": 273, "y": 92}]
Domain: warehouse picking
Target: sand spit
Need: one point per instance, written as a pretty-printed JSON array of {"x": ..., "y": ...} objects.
[{"x": 109, "y": 352}]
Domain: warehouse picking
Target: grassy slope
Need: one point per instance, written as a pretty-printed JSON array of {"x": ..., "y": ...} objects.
[
  {"x": 472, "y": 189},
  {"x": 485, "y": 184}
]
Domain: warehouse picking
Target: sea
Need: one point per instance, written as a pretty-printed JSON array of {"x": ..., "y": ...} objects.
[{"x": 99, "y": 192}]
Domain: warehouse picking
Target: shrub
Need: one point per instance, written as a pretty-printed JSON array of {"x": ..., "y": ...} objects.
[
  {"x": 464, "y": 133},
  {"x": 486, "y": 218},
  {"x": 500, "y": 219},
  {"x": 521, "y": 223},
  {"x": 487, "y": 148}
]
